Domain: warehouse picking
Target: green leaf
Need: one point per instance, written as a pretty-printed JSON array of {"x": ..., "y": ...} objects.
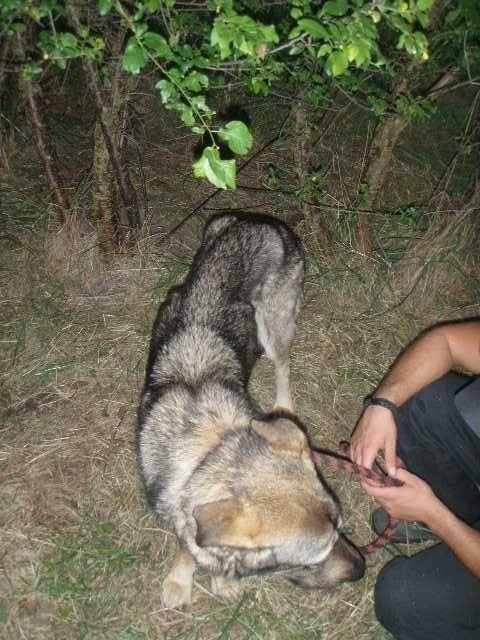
[
  {"x": 168, "y": 91},
  {"x": 221, "y": 37},
  {"x": 313, "y": 28},
  {"x": 69, "y": 44},
  {"x": 134, "y": 57},
  {"x": 31, "y": 71},
  {"x": 258, "y": 86},
  {"x": 186, "y": 114},
  {"x": 335, "y": 8},
  {"x": 358, "y": 52},
  {"x": 324, "y": 50},
  {"x": 296, "y": 50},
  {"x": 104, "y": 6},
  {"x": 237, "y": 136},
  {"x": 424, "y": 5},
  {"x": 337, "y": 63},
  {"x": 198, "y": 103},
  {"x": 17, "y": 27},
  {"x": 233, "y": 33},
  {"x": 196, "y": 81},
  {"x": 152, "y": 5},
  {"x": 220, "y": 173},
  {"x": 157, "y": 44},
  {"x": 423, "y": 20}
]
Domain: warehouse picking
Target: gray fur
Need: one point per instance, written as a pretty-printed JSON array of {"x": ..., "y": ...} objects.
[{"x": 199, "y": 451}]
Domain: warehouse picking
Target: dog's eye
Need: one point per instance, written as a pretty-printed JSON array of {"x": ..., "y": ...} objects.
[
  {"x": 345, "y": 531},
  {"x": 335, "y": 518}
]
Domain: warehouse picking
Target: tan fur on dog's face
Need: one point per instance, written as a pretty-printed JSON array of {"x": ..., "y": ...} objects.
[{"x": 283, "y": 507}]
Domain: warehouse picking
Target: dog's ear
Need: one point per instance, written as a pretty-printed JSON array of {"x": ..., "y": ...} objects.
[
  {"x": 227, "y": 523},
  {"x": 282, "y": 434}
]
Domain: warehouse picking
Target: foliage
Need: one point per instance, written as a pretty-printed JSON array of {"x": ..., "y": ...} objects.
[{"x": 305, "y": 45}]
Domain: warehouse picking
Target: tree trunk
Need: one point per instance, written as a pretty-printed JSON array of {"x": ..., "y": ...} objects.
[
  {"x": 31, "y": 94},
  {"x": 123, "y": 217},
  {"x": 384, "y": 141},
  {"x": 303, "y": 161},
  {"x": 102, "y": 195},
  {"x": 385, "y": 138}
]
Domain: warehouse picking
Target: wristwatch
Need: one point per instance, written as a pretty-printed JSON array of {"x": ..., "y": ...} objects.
[{"x": 381, "y": 402}]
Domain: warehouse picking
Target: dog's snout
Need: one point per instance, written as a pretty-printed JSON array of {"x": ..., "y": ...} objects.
[
  {"x": 358, "y": 567},
  {"x": 344, "y": 564},
  {"x": 352, "y": 560}
]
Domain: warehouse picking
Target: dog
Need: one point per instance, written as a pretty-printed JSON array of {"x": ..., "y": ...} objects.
[{"x": 237, "y": 487}]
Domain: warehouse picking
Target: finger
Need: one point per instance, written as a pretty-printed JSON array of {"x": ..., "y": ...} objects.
[
  {"x": 379, "y": 491},
  {"x": 357, "y": 455},
  {"x": 371, "y": 482},
  {"x": 352, "y": 452},
  {"x": 368, "y": 457},
  {"x": 371, "y": 487},
  {"x": 391, "y": 457}
]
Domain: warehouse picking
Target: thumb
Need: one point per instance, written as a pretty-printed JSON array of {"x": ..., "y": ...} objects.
[{"x": 404, "y": 475}]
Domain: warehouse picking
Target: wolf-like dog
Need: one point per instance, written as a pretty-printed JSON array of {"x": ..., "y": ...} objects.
[{"x": 238, "y": 488}]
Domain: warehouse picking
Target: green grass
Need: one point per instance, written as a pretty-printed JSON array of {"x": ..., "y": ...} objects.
[{"x": 85, "y": 559}]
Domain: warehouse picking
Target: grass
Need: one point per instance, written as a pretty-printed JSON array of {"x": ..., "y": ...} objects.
[{"x": 81, "y": 556}]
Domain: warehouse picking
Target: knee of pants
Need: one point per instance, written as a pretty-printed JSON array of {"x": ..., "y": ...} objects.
[{"x": 387, "y": 602}]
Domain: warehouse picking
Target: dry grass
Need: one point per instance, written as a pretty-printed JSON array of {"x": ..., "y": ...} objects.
[{"x": 82, "y": 558}]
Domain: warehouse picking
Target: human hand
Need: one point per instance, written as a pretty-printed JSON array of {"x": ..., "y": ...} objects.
[
  {"x": 375, "y": 431},
  {"x": 414, "y": 500}
]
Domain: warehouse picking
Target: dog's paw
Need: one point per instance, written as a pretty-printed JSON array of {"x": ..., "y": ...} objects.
[
  {"x": 175, "y": 594},
  {"x": 226, "y": 588}
]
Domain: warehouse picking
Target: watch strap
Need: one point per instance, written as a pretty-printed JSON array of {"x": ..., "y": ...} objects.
[{"x": 381, "y": 402}]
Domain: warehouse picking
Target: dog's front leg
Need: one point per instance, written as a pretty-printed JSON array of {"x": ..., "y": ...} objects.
[
  {"x": 283, "y": 398},
  {"x": 228, "y": 588},
  {"x": 177, "y": 585}
]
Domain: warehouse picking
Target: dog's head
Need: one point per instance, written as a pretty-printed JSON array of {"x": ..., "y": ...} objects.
[{"x": 279, "y": 518}]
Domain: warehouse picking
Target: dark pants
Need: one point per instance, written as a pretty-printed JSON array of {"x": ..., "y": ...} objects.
[{"x": 431, "y": 596}]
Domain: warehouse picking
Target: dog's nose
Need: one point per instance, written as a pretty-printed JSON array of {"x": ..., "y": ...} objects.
[{"x": 358, "y": 568}]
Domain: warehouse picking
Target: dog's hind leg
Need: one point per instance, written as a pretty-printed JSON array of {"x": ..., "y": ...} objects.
[
  {"x": 276, "y": 309},
  {"x": 177, "y": 586}
]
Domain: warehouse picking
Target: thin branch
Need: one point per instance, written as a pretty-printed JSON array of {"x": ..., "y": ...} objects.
[
  {"x": 286, "y": 45},
  {"x": 194, "y": 211}
]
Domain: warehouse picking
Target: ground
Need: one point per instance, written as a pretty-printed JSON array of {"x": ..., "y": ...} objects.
[{"x": 82, "y": 557}]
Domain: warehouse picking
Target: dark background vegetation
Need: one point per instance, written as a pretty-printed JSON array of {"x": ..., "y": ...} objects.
[{"x": 374, "y": 164}]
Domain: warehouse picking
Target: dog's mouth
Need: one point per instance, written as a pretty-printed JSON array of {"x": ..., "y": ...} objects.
[
  {"x": 344, "y": 564},
  {"x": 319, "y": 577}
]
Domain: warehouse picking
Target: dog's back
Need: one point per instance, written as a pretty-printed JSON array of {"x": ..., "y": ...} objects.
[
  {"x": 205, "y": 343},
  {"x": 238, "y": 254}
]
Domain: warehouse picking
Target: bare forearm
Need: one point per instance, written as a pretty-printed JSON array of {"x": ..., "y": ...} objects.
[
  {"x": 463, "y": 541},
  {"x": 430, "y": 357}
]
